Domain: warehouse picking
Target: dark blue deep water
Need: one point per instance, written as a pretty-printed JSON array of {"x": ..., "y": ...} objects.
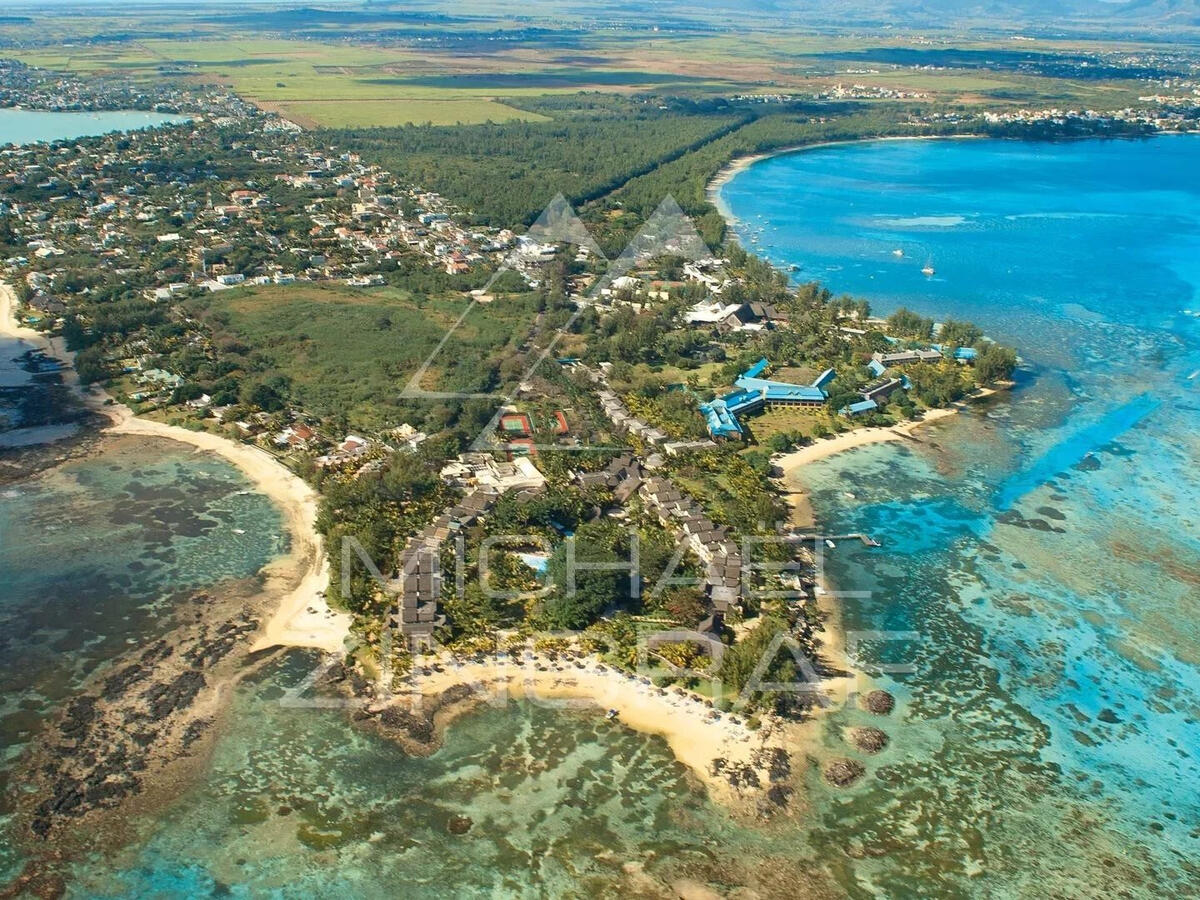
[{"x": 1046, "y": 548}]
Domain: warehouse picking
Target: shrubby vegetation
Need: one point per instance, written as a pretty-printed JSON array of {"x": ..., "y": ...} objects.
[{"x": 345, "y": 355}]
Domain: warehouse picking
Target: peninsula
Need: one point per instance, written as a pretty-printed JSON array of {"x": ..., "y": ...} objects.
[{"x": 462, "y": 299}]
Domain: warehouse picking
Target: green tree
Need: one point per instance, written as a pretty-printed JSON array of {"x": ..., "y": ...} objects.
[
  {"x": 960, "y": 334},
  {"x": 994, "y": 362},
  {"x": 90, "y": 365},
  {"x": 906, "y": 323}
]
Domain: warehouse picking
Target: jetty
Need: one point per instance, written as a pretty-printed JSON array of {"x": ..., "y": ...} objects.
[{"x": 866, "y": 539}]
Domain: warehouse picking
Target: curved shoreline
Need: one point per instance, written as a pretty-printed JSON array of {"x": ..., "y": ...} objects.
[
  {"x": 798, "y": 500},
  {"x": 296, "y": 580},
  {"x": 859, "y": 437},
  {"x": 713, "y": 745},
  {"x": 302, "y": 618},
  {"x": 733, "y": 168},
  {"x": 737, "y": 165}
]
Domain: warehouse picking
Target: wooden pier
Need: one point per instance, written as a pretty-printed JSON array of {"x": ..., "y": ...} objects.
[{"x": 866, "y": 539}]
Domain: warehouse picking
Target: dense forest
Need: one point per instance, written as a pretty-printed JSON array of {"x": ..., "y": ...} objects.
[
  {"x": 620, "y": 156},
  {"x": 504, "y": 175},
  {"x": 617, "y": 158}
]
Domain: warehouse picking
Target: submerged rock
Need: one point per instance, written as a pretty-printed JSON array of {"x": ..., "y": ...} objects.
[
  {"x": 879, "y": 702},
  {"x": 35, "y": 881},
  {"x": 459, "y": 824},
  {"x": 869, "y": 739},
  {"x": 401, "y": 722},
  {"x": 844, "y": 772}
]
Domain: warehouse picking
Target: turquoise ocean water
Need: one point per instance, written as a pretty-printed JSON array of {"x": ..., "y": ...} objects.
[
  {"x": 1045, "y": 549},
  {"x": 100, "y": 555}
]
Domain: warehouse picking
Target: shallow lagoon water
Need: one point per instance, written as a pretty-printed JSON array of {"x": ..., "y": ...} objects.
[
  {"x": 300, "y": 805},
  {"x": 1046, "y": 548},
  {"x": 98, "y": 556}
]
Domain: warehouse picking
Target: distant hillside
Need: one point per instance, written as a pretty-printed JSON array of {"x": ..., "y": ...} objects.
[
  {"x": 1122, "y": 14},
  {"x": 930, "y": 12},
  {"x": 1175, "y": 12}
]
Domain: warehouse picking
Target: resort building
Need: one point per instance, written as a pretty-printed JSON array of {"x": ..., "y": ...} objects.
[
  {"x": 418, "y": 583},
  {"x": 726, "y": 317},
  {"x": 625, "y": 422},
  {"x": 754, "y": 393},
  {"x": 881, "y": 389},
  {"x": 622, "y": 476},
  {"x": 962, "y": 354},
  {"x": 483, "y": 470},
  {"x": 858, "y": 409},
  {"x": 720, "y": 554},
  {"x": 903, "y": 357}
]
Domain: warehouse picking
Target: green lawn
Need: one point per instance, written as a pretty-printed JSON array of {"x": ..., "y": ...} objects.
[{"x": 785, "y": 419}]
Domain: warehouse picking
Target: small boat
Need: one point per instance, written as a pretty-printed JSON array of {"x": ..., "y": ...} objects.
[
  {"x": 897, "y": 252},
  {"x": 830, "y": 544},
  {"x": 611, "y": 714},
  {"x": 928, "y": 271},
  {"x": 239, "y": 531}
]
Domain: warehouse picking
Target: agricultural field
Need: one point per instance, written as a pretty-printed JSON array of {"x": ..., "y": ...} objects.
[
  {"x": 359, "y": 85},
  {"x": 396, "y": 111},
  {"x": 365, "y": 68}
]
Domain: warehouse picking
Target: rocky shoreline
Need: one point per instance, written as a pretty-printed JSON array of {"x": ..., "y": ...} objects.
[
  {"x": 20, "y": 463},
  {"x": 129, "y": 740},
  {"x": 752, "y": 773}
]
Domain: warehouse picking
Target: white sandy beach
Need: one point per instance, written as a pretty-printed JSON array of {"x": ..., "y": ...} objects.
[
  {"x": 696, "y": 734},
  {"x": 12, "y": 375},
  {"x": 302, "y": 619},
  {"x": 860, "y": 437}
]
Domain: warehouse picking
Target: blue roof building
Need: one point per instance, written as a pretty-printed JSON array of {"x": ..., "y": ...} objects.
[
  {"x": 857, "y": 409},
  {"x": 757, "y": 369},
  {"x": 782, "y": 392},
  {"x": 743, "y": 400},
  {"x": 876, "y": 367},
  {"x": 825, "y": 379},
  {"x": 966, "y": 353},
  {"x": 755, "y": 392},
  {"x": 720, "y": 421}
]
